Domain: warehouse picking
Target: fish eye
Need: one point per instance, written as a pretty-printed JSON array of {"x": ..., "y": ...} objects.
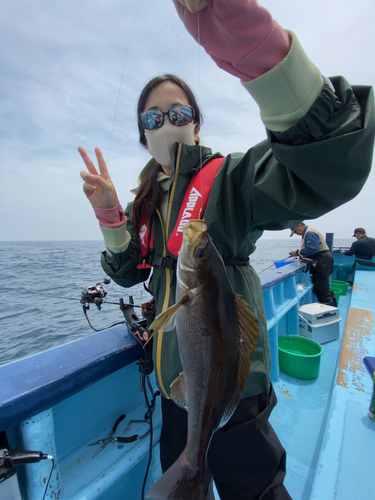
[{"x": 200, "y": 253}]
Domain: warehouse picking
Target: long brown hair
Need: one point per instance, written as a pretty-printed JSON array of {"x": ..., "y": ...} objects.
[{"x": 150, "y": 195}]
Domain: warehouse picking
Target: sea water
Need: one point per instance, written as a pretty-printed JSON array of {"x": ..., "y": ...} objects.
[{"x": 42, "y": 281}]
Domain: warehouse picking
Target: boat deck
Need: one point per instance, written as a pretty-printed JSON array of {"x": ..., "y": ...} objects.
[
  {"x": 323, "y": 423},
  {"x": 61, "y": 400}
]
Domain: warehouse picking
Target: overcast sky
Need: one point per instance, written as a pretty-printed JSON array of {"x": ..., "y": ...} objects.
[{"x": 61, "y": 67}]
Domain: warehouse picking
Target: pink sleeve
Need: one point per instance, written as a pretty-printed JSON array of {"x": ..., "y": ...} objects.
[
  {"x": 240, "y": 36},
  {"x": 110, "y": 217}
]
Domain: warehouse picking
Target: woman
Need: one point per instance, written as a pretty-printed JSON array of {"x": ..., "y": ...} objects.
[{"x": 316, "y": 157}]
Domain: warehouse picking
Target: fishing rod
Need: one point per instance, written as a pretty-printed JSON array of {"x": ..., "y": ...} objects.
[
  {"x": 272, "y": 265},
  {"x": 74, "y": 298},
  {"x": 89, "y": 295},
  {"x": 309, "y": 263},
  {"x": 95, "y": 294}
]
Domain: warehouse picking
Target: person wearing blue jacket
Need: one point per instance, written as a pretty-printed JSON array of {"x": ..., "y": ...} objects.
[{"x": 364, "y": 256}]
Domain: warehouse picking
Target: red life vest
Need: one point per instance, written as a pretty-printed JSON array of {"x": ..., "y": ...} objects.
[{"x": 193, "y": 207}]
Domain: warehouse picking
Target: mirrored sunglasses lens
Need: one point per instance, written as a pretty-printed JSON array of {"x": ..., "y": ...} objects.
[
  {"x": 151, "y": 119},
  {"x": 181, "y": 115}
]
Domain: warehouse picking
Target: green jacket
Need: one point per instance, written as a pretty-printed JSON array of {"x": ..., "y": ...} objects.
[{"x": 315, "y": 166}]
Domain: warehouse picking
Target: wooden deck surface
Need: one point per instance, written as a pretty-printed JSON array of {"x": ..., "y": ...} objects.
[{"x": 323, "y": 423}]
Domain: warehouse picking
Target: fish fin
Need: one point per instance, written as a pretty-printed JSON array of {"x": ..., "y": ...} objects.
[
  {"x": 166, "y": 320},
  {"x": 247, "y": 332},
  {"x": 178, "y": 391},
  {"x": 180, "y": 482}
]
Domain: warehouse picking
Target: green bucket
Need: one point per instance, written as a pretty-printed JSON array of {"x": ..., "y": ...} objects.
[
  {"x": 342, "y": 285},
  {"x": 337, "y": 292},
  {"x": 299, "y": 356}
]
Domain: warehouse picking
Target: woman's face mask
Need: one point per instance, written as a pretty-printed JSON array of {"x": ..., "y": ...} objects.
[{"x": 161, "y": 142}]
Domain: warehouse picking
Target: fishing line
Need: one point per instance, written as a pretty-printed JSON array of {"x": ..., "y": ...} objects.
[
  {"x": 199, "y": 57},
  {"x": 122, "y": 78},
  {"x": 199, "y": 100},
  {"x": 117, "y": 101}
]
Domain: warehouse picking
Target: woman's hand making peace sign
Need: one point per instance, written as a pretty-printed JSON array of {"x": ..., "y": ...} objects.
[{"x": 98, "y": 188}]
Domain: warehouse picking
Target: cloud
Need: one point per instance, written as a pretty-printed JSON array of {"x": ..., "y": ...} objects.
[{"x": 71, "y": 75}]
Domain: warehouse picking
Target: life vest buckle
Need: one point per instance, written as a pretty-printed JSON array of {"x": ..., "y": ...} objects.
[
  {"x": 143, "y": 266},
  {"x": 169, "y": 262}
]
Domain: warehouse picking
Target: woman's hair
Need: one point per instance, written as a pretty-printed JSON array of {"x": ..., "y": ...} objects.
[{"x": 150, "y": 195}]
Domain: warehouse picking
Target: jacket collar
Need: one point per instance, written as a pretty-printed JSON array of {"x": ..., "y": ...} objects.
[{"x": 192, "y": 158}]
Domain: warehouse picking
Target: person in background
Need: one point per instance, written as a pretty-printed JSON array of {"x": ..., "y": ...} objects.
[
  {"x": 314, "y": 247},
  {"x": 314, "y": 125},
  {"x": 364, "y": 256}
]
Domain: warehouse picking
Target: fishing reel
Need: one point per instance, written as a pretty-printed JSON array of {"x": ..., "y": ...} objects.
[
  {"x": 309, "y": 263},
  {"x": 94, "y": 294},
  {"x": 138, "y": 327}
]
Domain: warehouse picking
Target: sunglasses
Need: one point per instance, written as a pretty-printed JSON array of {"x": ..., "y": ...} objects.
[{"x": 178, "y": 116}]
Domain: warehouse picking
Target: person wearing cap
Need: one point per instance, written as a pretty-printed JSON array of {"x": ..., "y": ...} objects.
[
  {"x": 364, "y": 256},
  {"x": 314, "y": 246}
]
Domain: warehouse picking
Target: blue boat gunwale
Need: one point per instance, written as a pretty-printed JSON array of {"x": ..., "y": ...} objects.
[
  {"x": 36, "y": 383},
  {"x": 276, "y": 276}
]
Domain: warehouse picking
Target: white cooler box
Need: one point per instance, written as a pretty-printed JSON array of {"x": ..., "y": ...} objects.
[{"x": 319, "y": 322}]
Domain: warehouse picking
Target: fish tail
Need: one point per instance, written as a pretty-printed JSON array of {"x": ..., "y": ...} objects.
[{"x": 179, "y": 482}]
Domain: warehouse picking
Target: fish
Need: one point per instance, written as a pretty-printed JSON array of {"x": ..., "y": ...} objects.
[{"x": 216, "y": 334}]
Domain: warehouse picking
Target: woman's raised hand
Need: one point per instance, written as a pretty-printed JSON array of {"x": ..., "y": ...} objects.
[{"x": 98, "y": 188}]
